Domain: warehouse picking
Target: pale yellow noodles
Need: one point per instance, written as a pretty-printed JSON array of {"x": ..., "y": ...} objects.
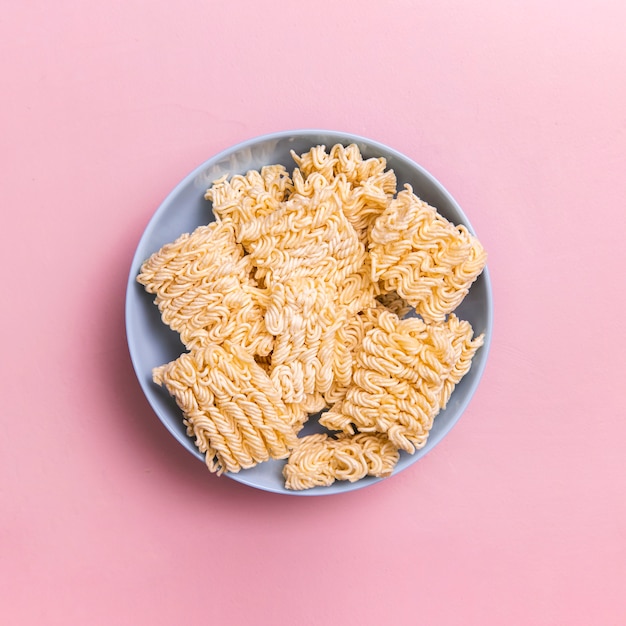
[
  {"x": 203, "y": 290},
  {"x": 344, "y": 160},
  {"x": 349, "y": 339},
  {"x": 364, "y": 186},
  {"x": 399, "y": 381},
  {"x": 424, "y": 258},
  {"x": 464, "y": 345},
  {"x": 235, "y": 414},
  {"x": 358, "y": 291},
  {"x": 356, "y": 296},
  {"x": 318, "y": 460},
  {"x": 309, "y": 464},
  {"x": 303, "y": 252},
  {"x": 291, "y": 303},
  {"x": 303, "y": 318},
  {"x": 304, "y": 237},
  {"x": 363, "y": 454},
  {"x": 256, "y": 194}
]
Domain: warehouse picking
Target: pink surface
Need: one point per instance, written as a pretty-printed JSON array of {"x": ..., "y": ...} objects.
[{"x": 518, "y": 517}]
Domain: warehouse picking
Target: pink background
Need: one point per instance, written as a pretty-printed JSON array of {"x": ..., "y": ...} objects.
[{"x": 518, "y": 516}]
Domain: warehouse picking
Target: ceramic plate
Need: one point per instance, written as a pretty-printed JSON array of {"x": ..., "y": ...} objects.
[{"x": 151, "y": 343}]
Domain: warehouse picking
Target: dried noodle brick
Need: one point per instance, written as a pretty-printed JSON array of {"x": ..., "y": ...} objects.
[
  {"x": 203, "y": 290},
  {"x": 405, "y": 371},
  {"x": 230, "y": 407},
  {"x": 424, "y": 258}
]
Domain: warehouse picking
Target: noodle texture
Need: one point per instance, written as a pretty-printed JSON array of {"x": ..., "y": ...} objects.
[{"x": 320, "y": 289}]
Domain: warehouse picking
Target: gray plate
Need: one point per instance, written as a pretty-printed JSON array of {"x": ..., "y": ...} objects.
[{"x": 151, "y": 343}]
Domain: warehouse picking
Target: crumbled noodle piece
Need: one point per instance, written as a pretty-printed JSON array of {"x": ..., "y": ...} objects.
[
  {"x": 309, "y": 464},
  {"x": 364, "y": 186},
  {"x": 464, "y": 345},
  {"x": 254, "y": 195},
  {"x": 319, "y": 460}
]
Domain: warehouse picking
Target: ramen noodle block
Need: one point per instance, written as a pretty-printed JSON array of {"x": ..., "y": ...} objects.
[
  {"x": 405, "y": 371},
  {"x": 423, "y": 257},
  {"x": 204, "y": 291},
  {"x": 235, "y": 414}
]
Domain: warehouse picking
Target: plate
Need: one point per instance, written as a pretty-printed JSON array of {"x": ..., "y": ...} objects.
[{"x": 151, "y": 343}]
